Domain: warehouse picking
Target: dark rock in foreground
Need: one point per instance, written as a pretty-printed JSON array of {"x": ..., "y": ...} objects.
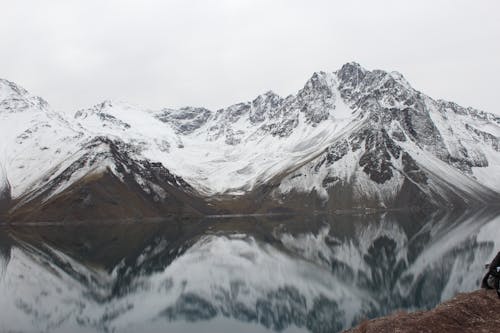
[{"x": 468, "y": 312}]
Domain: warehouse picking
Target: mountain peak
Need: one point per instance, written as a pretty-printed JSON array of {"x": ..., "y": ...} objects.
[
  {"x": 9, "y": 88},
  {"x": 347, "y": 138},
  {"x": 351, "y": 72},
  {"x": 267, "y": 96},
  {"x": 107, "y": 106},
  {"x": 321, "y": 81},
  {"x": 270, "y": 93},
  {"x": 95, "y": 109},
  {"x": 14, "y": 98},
  {"x": 352, "y": 67}
]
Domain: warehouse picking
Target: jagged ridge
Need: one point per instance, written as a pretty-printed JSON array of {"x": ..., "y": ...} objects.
[{"x": 351, "y": 138}]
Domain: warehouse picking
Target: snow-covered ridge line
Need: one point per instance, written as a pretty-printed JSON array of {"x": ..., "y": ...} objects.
[{"x": 365, "y": 130}]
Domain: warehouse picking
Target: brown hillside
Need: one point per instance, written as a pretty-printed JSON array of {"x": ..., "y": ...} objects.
[{"x": 468, "y": 312}]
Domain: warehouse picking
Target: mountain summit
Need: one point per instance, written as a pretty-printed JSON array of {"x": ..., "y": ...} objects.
[{"x": 353, "y": 138}]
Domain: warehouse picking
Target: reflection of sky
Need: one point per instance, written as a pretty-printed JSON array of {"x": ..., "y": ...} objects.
[{"x": 319, "y": 280}]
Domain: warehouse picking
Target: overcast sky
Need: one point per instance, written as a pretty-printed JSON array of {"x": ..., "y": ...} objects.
[{"x": 158, "y": 53}]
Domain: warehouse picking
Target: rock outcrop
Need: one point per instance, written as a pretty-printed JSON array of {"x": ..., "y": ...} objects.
[{"x": 466, "y": 313}]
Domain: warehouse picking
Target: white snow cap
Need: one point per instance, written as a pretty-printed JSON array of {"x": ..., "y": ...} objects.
[{"x": 235, "y": 149}]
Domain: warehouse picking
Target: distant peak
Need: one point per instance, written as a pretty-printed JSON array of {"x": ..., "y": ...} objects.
[
  {"x": 9, "y": 88},
  {"x": 351, "y": 71},
  {"x": 108, "y": 104},
  {"x": 191, "y": 108},
  {"x": 319, "y": 80},
  {"x": 105, "y": 104},
  {"x": 270, "y": 93},
  {"x": 95, "y": 109},
  {"x": 15, "y": 97},
  {"x": 266, "y": 97},
  {"x": 353, "y": 66}
]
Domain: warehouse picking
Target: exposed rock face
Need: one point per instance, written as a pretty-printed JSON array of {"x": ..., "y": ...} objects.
[
  {"x": 185, "y": 120},
  {"x": 468, "y": 312},
  {"x": 348, "y": 139},
  {"x": 111, "y": 185},
  {"x": 265, "y": 106},
  {"x": 106, "y": 118},
  {"x": 5, "y": 196},
  {"x": 317, "y": 98},
  {"x": 15, "y": 99},
  {"x": 397, "y": 128}
]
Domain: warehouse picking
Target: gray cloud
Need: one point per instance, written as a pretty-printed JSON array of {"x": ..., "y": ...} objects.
[{"x": 214, "y": 53}]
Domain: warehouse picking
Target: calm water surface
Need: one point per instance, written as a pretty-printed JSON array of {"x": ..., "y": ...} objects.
[{"x": 240, "y": 274}]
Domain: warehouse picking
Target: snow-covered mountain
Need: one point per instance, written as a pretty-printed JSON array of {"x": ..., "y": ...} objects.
[{"x": 350, "y": 138}]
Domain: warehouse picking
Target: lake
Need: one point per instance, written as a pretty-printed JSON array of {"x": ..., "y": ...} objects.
[{"x": 284, "y": 273}]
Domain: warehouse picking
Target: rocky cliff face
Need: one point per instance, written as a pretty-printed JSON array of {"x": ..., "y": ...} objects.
[
  {"x": 348, "y": 139},
  {"x": 402, "y": 151}
]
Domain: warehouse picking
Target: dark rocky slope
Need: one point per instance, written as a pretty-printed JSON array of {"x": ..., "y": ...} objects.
[{"x": 124, "y": 189}]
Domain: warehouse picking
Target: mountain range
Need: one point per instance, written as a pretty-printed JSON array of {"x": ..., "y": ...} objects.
[{"x": 349, "y": 139}]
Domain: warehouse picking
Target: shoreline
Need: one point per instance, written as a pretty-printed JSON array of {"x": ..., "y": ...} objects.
[{"x": 476, "y": 311}]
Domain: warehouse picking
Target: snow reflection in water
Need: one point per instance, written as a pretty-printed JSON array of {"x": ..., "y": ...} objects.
[{"x": 294, "y": 274}]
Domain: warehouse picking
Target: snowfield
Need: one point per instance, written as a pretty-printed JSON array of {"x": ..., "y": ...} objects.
[{"x": 238, "y": 148}]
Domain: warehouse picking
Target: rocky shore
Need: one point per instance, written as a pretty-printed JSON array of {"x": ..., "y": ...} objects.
[{"x": 476, "y": 312}]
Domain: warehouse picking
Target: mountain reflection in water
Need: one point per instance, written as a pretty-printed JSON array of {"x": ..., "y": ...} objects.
[{"x": 245, "y": 274}]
